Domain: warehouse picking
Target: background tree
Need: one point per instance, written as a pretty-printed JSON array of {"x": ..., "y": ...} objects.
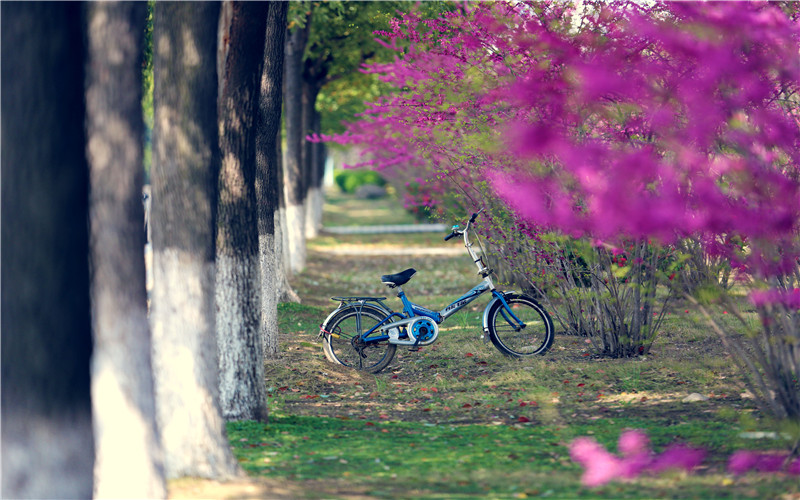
[
  {"x": 295, "y": 187},
  {"x": 268, "y": 127},
  {"x": 238, "y": 284},
  {"x": 129, "y": 459},
  {"x": 184, "y": 180},
  {"x": 47, "y": 443}
]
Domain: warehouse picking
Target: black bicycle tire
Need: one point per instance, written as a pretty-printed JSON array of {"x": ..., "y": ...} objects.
[
  {"x": 496, "y": 338},
  {"x": 345, "y": 313}
]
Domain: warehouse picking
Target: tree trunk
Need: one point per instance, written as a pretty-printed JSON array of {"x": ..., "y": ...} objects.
[
  {"x": 283, "y": 266},
  {"x": 310, "y": 163},
  {"x": 293, "y": 166},
  {"x": 184, "y": 179},
  {"x": 267, "y": 164},
  {"x": 316, "y": 193},
  {"x": 238, "y": 287},
  {"x": 47, "y": 443},
  {"x": 129, "y": 461}
]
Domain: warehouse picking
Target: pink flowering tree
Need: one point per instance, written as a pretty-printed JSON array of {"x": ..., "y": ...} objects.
[
  {"x": 626, "y": 130},
  {"x": 439, "y": 134},
  {"x": 676, "y": 126}
]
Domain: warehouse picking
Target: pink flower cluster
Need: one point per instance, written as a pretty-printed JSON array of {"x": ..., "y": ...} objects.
[
  {"x": 601, "y": 466},
  {"x": 744, "y": 461},
  {"x": 618, "y": 120},
  {"x": 660, "y": 125},
  {"x": 636, "y": 458},
  {"x": 787, "y": 298}
]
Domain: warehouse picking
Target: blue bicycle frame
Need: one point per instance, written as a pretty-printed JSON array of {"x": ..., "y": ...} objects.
[{"x": 411, "y": 310}]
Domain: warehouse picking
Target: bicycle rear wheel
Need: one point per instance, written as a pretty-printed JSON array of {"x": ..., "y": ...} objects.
[
  {"x": 342, "y": 342},
  {"x": 533, "y": 336}
]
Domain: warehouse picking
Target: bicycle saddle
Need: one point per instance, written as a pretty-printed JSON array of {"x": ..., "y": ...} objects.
[{"x": 395, "y": 280}]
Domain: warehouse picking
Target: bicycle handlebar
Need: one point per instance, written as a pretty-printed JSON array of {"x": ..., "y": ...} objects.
[{"x": 456, "y": 232}]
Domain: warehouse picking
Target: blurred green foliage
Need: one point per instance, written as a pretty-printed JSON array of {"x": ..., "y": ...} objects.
[{"x": 350, "y": 180}]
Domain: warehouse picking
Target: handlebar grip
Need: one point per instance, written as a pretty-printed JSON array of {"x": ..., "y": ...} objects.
[
  {"x": 474, "y": 216},
  {"x": 450, "y": 236}
]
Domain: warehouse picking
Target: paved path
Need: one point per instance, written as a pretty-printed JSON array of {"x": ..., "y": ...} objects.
[
  {"x": 349, "y": 250},
  {"x": 391, "y": 228}
]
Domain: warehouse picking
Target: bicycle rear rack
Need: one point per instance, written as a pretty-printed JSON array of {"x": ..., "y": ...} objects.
[{"x": 346, "y": 301}]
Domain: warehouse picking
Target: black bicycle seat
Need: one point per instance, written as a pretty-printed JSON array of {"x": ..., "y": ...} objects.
[{"x": 395, "y": 280}]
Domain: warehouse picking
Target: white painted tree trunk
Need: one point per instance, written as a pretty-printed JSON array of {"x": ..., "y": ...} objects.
[
  {"x": 283, "y": 266},
  {"x": 296, "y": 229},
  {"x": 270, "y": 294},
  {"x": 313, "y": 210},
  {"x": 241, "y": 366},
  {"x": 185, "y": 165},
  {"x": 44, "y": 457},
  {"x": 129, "y": 459},
  {"x": 185, "y": 360}
]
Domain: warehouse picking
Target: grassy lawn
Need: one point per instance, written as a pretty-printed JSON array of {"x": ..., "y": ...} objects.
[{"x": 459, "y": 420}]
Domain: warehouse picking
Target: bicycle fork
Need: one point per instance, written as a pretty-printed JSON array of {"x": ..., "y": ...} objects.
[{"x": 508, "y": 315}]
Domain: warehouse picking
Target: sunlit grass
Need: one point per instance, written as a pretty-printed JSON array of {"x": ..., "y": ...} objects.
[{"x": 459, "y": 420}]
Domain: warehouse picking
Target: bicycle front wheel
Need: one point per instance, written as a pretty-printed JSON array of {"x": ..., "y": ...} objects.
[
  {"x": 525, "y": 330},
  {"x": 343, "y": 343}
]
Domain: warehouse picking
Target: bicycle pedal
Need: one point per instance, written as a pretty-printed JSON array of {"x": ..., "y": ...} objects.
[{"x": 413, "y": 349}]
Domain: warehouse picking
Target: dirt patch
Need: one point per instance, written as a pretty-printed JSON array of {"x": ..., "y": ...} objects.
[{"x": 261, "y": 488}]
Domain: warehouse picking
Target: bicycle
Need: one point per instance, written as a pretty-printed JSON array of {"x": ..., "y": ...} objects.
[{"x": 364, "y": 333}]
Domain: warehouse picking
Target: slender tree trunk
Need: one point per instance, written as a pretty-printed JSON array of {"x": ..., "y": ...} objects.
[
  {"x": 283, "y": 267},
  {"x": 267, "y": 165},
  {"x": 47, "y": 443},
  {"x": 293, "y": 166},
  {"x": 310, "y": 164},
  {"x": 316, "y": 192},
  {"x": 129, "y": 459},
  {"x": 184, "y": 179},
  {"x": 238, "y": 288}
]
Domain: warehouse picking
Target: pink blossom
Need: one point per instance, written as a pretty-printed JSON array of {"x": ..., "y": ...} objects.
[
  {"x": 744, "y": 461},
  {"x": 678, "y": 456},
  {"x": 600, "y": 466}
]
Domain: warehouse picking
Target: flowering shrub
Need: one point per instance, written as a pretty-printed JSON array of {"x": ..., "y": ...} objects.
[
  {"x": 636, "y": 458},
  {"x": 601, "y": 466},
  {"x": 616, "y": 123}
]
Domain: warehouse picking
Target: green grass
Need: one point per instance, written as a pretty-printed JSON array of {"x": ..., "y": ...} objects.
[
  {"x": 459, "y": 420},
  {"x": 400, "y": 459},
  {"x": 345, "y": 210}
]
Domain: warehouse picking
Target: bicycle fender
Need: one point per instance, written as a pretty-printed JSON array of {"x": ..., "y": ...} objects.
[
  {"x": 324, "y": 326},
  {"x": 489, "y": 307}
]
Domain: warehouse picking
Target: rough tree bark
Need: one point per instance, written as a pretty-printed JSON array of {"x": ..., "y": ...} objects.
[
  {"x": 267, "y": 164},
  {"x": 316, "y": 172},
  {"x": 47, "y": 443},
  {"x": 311, "y": 165},
  {"x": 238, "y": 287},
  {"x": 184, "y": 179},
  {"x": 293, "y": 166},
  {"x": 129, "y": 459},
  {"x": 287, "y": 293}
]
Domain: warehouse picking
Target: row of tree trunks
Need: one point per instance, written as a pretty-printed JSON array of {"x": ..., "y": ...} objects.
[
  {"x": 47, "y": 440},
  {"x": 129, "y": 458},
  {"x": 70, "y": 108}
]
